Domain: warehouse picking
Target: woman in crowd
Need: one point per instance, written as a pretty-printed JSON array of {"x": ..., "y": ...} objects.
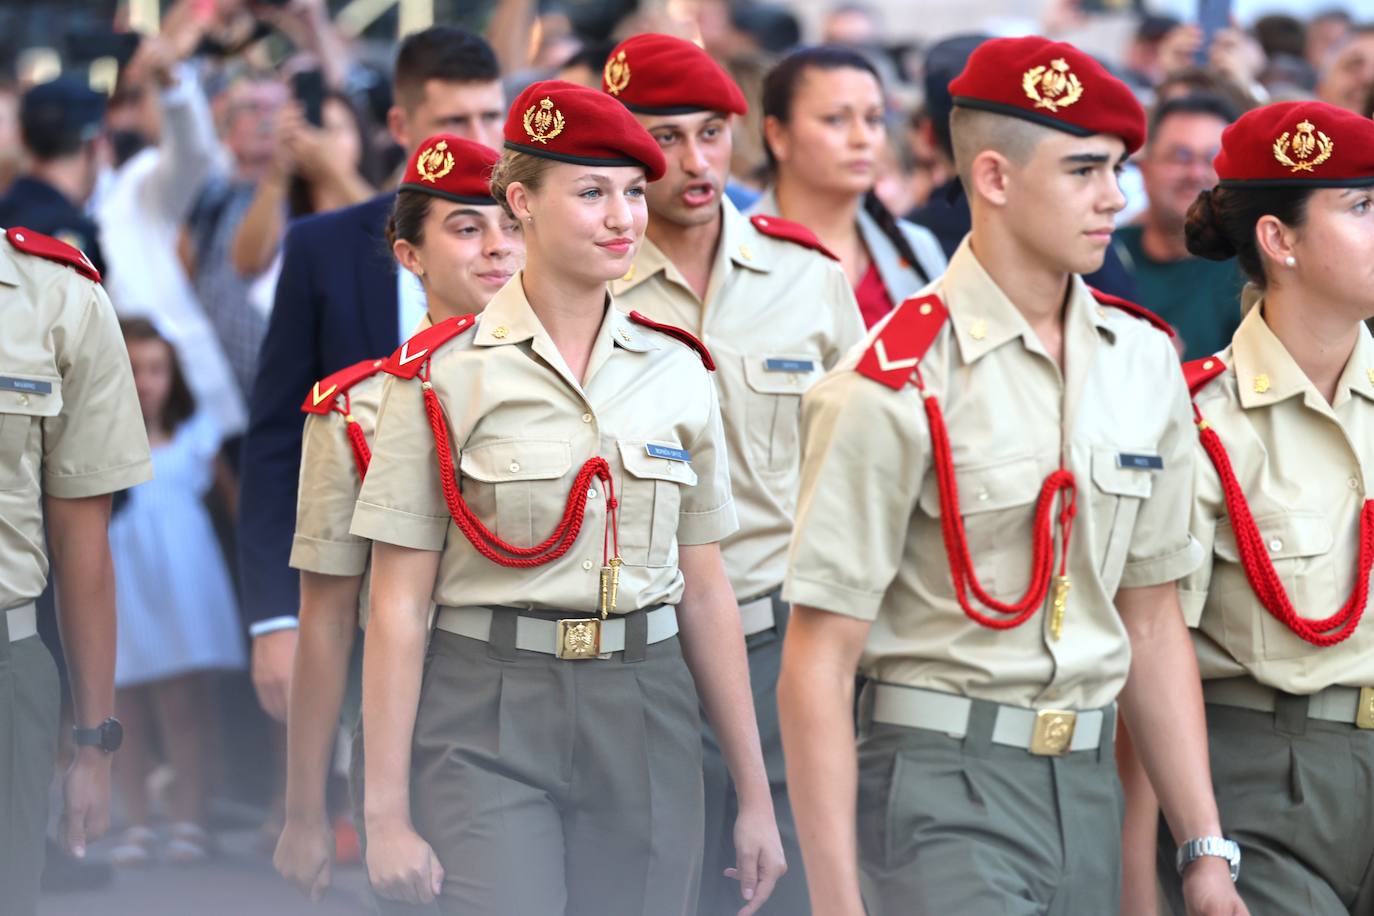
[
  {"x": 1286, "y": 422},
  {"x": 446, "y": 229},
  {"x": 546, "y": 756},
  {"x": 825, "y": 126}
]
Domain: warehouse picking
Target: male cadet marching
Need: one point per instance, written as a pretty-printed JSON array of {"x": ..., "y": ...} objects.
[
  {"x": 71, "y": 433},
  {"x": 992, "y": 521},
  {"x": 776, "y": 311}
]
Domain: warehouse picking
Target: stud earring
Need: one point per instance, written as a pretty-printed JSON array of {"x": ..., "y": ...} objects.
[{"x": 1290, "y": 261}]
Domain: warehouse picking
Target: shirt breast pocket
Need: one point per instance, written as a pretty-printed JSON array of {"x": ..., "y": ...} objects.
[
  {"x": 25, "y": 401},
  {"x": 1119, "y": 493},
  {"x": 524, "y": 488},
  {"x": 997, "y": 503},
  {"x": 1300, "y": 547},
  {"x": 773, "y": 409},
  {"x": 650, "y": 500}
]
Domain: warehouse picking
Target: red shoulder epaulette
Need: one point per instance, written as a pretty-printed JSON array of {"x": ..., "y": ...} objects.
[
  {"x": 322, "y": 395},
  {"x": 678, "y": 334},
  {"x": 406, "y": 362},
  {"x": 779, "y": 228},
  {"x": 1201, "y": 371},
  {"x": 45, "y": 246},
  {"x": 1131, "y": 308},
  {"x": 899, "y": 346}
]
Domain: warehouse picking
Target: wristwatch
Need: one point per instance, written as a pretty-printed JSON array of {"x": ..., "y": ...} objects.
[
  {"x": 1218, "y": 846},
  {"x": 107, "y": 736}
]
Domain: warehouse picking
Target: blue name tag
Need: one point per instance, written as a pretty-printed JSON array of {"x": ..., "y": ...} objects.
[
  {"x": 789, "y": 365},
  {"x": 26, "y": 385},
  {"x": 672, "y": 454},
  {"x": 1140, "y": 462}
]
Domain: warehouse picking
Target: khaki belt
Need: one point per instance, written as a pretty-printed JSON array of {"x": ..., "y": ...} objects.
[
  {"x": 573, "y": 638},
  {"x": 1043, "y": 732},
  {"x": 757, "y": 615},
  {"x": 22, "y": 621},
  {"x": 1348, "y": 705}
]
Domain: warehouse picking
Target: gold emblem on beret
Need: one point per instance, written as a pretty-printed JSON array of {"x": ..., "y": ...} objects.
[
  {"x": 1053, "y": 87},
  {"x": 1310, "y": 148},
  {"x": 617, "y": 74},
  {"x": 543, "y": 122},
  {"x": 435, "y": 162}
]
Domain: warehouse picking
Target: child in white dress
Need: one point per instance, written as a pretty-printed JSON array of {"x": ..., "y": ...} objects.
[{"x": 177, "y": 622}]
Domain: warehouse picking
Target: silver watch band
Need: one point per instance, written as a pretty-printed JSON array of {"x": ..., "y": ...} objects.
[{"x": 1200, "y": 847}]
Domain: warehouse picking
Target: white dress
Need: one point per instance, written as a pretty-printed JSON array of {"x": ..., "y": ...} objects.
[{"x": 173, "y": 598}]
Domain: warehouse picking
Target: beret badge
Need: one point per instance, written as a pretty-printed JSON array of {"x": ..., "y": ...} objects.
[
  {"x": 1052, "y": 87},
  {"x": 617, "y": 73},
  {"x": 1309, "y": 146},
  {"x": 543, "y": 122},
  {"x": 435, "y": 162}
]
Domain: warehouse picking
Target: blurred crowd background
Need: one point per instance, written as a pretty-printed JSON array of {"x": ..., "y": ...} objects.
[{"x": 186, "y": 134}]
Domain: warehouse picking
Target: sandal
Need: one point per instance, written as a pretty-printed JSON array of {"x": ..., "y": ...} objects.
[
  {"x": 135, "y": 847},
  {"x": 188, "y": 844}
]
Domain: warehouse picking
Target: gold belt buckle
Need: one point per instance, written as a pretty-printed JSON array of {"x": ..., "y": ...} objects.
[
  {"x": 1364, "y": 713},
  {"x": 579, "y": 638},
  {"x": 1053, "y": 732}
]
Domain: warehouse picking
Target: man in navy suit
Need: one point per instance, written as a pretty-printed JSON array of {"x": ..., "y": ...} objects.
[{"x": 340, "y": 299}]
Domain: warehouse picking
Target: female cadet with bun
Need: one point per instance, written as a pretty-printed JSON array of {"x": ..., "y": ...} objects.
[
  {"x": 1286, "y": 422},
  {"x": 825, "y": 126},
  {"x": 446, "y": 229},
  {"x": 554, "y": 478}
]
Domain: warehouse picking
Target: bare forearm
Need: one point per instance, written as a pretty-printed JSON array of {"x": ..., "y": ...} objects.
[
  {"x": 815, "y": 710},
  {"x": 328, "y": 624},
  {"x": 713, "y": 647},
  {"x": 1139, "y": 893},
  {"x": 1162, "y": 701},
  {"x": 258, "y": 235},
  {"x": 84, "y": 575}
]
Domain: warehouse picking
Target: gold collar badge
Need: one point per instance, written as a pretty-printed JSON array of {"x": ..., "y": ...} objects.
[
  {"x": 1053, "y": 87},
  {"x": 543, "y": 122},
  {"x": 617, "y": 74},
  {"x": 1310, "y": 148},
  {"x": 435, "y": 162}
]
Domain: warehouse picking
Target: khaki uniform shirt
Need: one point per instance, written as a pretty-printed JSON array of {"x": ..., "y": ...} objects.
[
  {"x": 70, "y": 424},
  {"x": 868, "y": 542},
  {"x": 775, "y": 317},
  {"x": 1306, "y": 467},
  {"x": 524, "y": 426}
]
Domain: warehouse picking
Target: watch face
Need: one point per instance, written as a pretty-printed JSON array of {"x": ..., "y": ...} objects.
[{"x": 111, "y": 735}]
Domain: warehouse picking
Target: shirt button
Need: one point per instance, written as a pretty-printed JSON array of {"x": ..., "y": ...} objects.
[
  {"x": 1354, "y": 483},
  {"x": 587, "y": 564},
  {"x": 1276, "y": 545},
  {"x": 586, "y": 418},
  {"x": 24, "y": 399},
  {"x": 514, "y": 466},
  {"x": 983, "y": 494},
  {"x": 591, "y": 493}
]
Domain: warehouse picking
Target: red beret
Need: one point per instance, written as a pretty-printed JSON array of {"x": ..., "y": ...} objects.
[
  {"x": 1051, "y": 83},
  {"x": 1294, "y": 144},
  {"x": 452, "y": 168},
  {"x": 559, "y": 120},
  {"x": 660, "y": 74}
]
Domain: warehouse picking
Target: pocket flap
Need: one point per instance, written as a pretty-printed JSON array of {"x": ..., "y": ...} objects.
[
  {"x": 30, "y": 395},
  {"x": 1110, "y": 477},
  {"x": 781, "y": 373},
  {"x": 1285, "y": 535},
  {"x": 634, "y": 455},
  {"x": 517, "y": 459},
  {"x": 988, "y": 487}
]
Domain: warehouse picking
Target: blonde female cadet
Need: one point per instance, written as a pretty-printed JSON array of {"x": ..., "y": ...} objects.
[
  {"x": 1286, "y": 422},
  {"x": 446, "y": 229},
  {"x": 554, "y": 476}
]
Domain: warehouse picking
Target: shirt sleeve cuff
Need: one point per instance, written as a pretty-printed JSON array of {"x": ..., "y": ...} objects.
[
  {"x": 395, "y": 526},
  {"x": 1167, "y": 568},
  {"x": 707, "y": 527},
  {"x": 827, "y": 596},
  {"x": 272, "y": 625},
  {"x": 98, "y": 483},
  {"x": 331, "y": 558}
]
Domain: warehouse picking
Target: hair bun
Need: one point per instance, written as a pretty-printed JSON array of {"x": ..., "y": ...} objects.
[{"x": 1202, "y": 229}]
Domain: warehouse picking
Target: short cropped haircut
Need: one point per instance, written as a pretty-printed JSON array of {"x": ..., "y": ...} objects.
[
  {"x": 973, "y": 131},
  {"x": 441, "y": 52}
]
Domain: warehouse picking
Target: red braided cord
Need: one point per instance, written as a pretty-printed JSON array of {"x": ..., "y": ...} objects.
[
  {"x": 487, "y": 542},
  {"x": 956, "y": 539},
  {"x": 362, "y": 455},
  {"x": 1259, "y": 569}
]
